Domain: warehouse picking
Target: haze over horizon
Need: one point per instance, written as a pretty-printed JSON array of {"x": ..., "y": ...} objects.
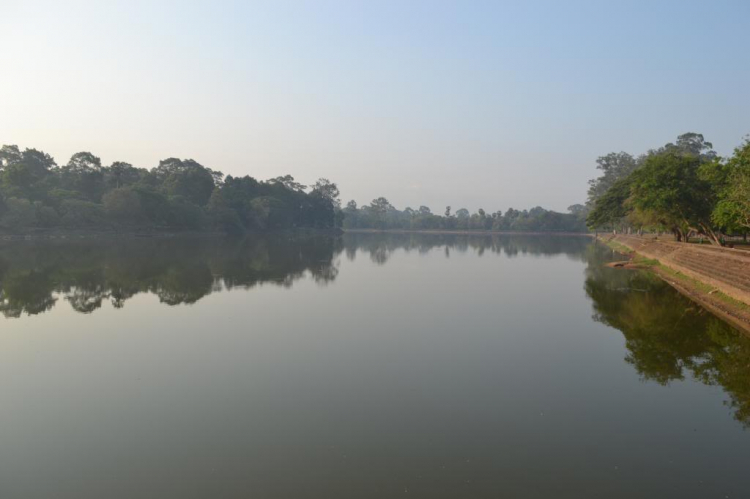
[{"x": 488, "y": 104}]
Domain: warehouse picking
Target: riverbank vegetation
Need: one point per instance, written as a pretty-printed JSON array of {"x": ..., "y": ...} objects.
[
  {"x": 683, "y": 187},
  {"x": 380, "y": 214},
  {"x": 38, "y": 194}
]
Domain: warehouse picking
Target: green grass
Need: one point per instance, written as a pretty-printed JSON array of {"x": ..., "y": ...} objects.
[
  {"x": 646, "y": 262},
  {"x": 692, "y": 282},
  {"x": 620, "y": 248}
]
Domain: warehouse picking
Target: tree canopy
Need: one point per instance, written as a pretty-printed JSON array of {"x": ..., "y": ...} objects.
[
  {"x": 381, "y": 214},
  {"x": 681, "y": 187},
  {"x": 177, "y": 194}
]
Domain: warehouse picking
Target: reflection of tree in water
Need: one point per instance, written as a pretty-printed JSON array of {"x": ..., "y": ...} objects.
[
  {"x": 380, "y": 246},
  {"x": 87, "y": 273},
  {"x": 667, "y": 335},
  {"x": 28, "y": 292}
]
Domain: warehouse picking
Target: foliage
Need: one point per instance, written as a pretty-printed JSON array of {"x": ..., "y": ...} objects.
[
  {"x": 732, "y": 212},
  {"x": 614, "y": 167},
  {"x": 82, "y": 214},
  {"x": 176, "y": 195},
  {"x": 381, "y": 214},
  {"x": 123, "y": 205},
  {"x": 669, "y": 190},
  {"x": 682, "y": 187}
]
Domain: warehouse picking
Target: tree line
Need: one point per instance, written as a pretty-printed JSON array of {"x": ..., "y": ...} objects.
[
  {"x": 682, "y": 188},
  {"x": 181, "y": 194},
  {"x": 36, "y": 194},
  {"x": 381, "y": 214}
]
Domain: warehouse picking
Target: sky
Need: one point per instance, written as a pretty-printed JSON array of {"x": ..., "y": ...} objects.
[{"x": 463, "y": 103}]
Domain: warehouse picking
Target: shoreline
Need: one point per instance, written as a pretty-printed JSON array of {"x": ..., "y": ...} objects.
[
  {"x": 465, "y": 232},
  {"x": 166, "y": 233},
  {"x": 155, "y": 234},
  {"x": 706, "y": 294}
]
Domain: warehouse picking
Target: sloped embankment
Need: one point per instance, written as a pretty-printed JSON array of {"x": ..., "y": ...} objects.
[{"x": 719, "y": 272}]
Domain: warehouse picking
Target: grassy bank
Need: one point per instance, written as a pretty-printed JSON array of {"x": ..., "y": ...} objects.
[{"x": 706, "y": 295}]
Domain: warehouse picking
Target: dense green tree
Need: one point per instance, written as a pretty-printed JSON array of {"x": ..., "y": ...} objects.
[
  {"x": 732, "y": 211},
  {"x": 614, "y": 166},
  {"x": 380, "y": 214},
  {"x": 84, "y": 174},
  {"x": 222, "y": 216},
  {"x": 327, "y": 190},
  {"x": 77, "y": 213},
  {"x": 19, "y": 213},
  {"x": 670, "y": 189},
  {"x": 682, "y": 187},
  {"x": 8, "y": 155},
  {"x": 24, "y": 175},
  {"x": 288, "y": 182},
  {"x": 693, "y": 144},
  {"x": 176, "y": 195},
  {"x": 610, "y": 208},
  {"x": 380, "y": 208},
  {"x": 84, "y": 162},
  {"x": 187, "y": 178},
  {"x": 123, "y": 205},
  {"x": 577, "y": 209},
  {"x": 121, "y": 174}
]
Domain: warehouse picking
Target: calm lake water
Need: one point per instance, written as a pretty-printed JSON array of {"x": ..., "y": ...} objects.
[{"x": 363, "y": 366}]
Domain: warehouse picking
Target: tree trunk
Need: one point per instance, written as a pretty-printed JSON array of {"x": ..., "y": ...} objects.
[{"x": 712, "y": 235}]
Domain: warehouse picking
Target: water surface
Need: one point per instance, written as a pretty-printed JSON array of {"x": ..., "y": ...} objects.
[{"x": 365, "y": 366}]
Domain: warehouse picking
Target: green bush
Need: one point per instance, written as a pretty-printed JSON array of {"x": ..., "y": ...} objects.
[{"x": 83, "y": 214}]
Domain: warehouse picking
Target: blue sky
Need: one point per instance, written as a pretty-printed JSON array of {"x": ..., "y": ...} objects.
[{"x": 472, "y": 104}]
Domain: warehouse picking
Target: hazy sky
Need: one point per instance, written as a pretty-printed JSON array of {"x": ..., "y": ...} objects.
[{"x": 467, "y": 103}]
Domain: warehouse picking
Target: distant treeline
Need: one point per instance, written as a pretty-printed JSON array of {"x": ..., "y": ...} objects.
[
  {"x": 380, "y": 214},
  {"x": 36, "y": 193},
  {"x": 682, "y": 188}
]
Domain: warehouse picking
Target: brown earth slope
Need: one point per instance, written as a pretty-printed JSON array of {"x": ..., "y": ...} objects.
[{"x": 718, "y": 278}]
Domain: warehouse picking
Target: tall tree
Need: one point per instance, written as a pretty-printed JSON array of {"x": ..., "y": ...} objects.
[
  {"x": 327, "y": 190},
  {"x": 694, "y": 144},
  {"x": 380, "y": 208},
  {"x": 610, "y": 208},
  {"x": 9, "y": 154},
  {"x": 84, "y": 162},
  {"x": 614, "y": 166},
  {"x": 733, "y": 208},
  {"x": 288, "y": 182},
  {"x": 84, "y": 174},
  {"x": 669, "y": 188},
  {"x": 24, "y": 177}
]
